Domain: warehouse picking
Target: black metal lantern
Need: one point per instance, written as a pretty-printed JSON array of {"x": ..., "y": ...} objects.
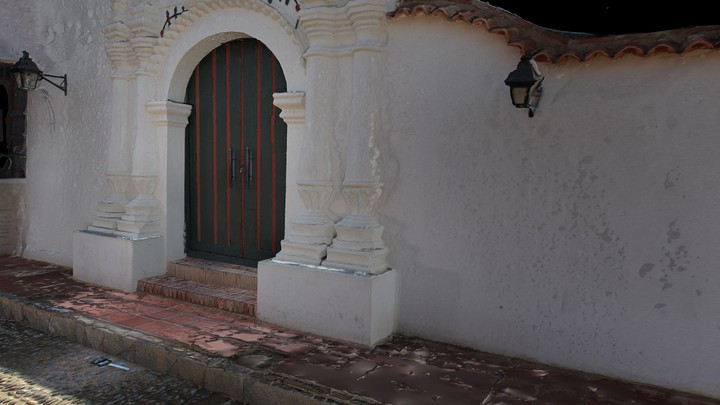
[
  {"x": 525, "y": 85},
  {"x": 27, "y": 75}
]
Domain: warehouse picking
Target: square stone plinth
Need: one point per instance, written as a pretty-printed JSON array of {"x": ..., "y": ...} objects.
[
  {"x": 351, "y": 306},
  {"x": 116, "y": 262}
]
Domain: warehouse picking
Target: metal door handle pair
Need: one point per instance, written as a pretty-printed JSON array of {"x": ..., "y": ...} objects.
[{"x": 249, "y": 159}]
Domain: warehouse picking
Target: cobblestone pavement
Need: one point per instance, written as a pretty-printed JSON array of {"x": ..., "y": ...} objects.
[{"x": 39, "y": 369}]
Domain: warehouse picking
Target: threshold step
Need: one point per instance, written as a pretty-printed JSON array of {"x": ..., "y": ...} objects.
[
  {"x": 230, "y": 299},
  {"x": 211, "y": 272}
]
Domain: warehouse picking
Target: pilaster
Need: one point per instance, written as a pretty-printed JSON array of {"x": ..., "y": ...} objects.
[
  {"x": 358, "y": 245},
  {"x": 312, "y": 230},
  {"x": 337, "y": 286},
  {"x": 169, "y": 120},
  {"x": 122, "y": 60},
  {"x": 142, "y": 214}
]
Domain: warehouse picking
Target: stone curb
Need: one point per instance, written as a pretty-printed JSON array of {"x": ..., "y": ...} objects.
[{"x": 216, "y": 374}]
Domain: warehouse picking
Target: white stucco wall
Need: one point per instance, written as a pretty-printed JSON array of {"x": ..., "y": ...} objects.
[
  {"x": 66, "y": 136},
  {"x": 586, "y": 236}
]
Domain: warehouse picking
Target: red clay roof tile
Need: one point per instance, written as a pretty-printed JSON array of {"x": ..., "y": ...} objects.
[{"x": 547, "y": 45}]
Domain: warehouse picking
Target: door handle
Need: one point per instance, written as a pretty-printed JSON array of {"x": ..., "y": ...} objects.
[
  {"x": 249, "y": 158},
  {"x": 231, "y": 157}
]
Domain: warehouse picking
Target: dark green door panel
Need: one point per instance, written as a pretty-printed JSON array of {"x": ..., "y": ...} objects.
[{"x": 236, "y": 155}]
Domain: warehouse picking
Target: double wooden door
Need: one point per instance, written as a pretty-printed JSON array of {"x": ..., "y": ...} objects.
[{"x": 236, "y": 155}]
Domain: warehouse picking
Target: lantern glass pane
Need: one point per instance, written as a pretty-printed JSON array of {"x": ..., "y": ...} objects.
[
  {"x": 519, "y": 96},
  {"x": 18, "y": 79},
  {"x": 26, "y": 80}
]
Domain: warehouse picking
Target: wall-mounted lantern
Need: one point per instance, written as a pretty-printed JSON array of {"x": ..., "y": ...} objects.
[
  {"x": 27, "y": 75},
  {"x": 525, "y": 85}
]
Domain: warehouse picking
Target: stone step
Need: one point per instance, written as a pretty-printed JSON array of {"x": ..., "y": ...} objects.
[
  {"x": 230, "y": 299},
  {"x": 209, "y": 272}
]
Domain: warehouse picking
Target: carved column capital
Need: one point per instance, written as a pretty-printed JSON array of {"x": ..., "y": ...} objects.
[
  {"x": 168, "y": 113},
  {"x": 362, "y": 197},
  {"x": 327, "y": 28},
  {"x": 144, "y": 38},
  {"x": 292, "y": 106},
  {"x": 369, "y": 22}
]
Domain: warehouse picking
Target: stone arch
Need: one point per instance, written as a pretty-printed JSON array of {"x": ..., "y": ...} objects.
[
  {"x": 211, "y": 23},
  {"x": 201, "y": 29}
]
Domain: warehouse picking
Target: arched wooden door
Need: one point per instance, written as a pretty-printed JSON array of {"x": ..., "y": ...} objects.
[{"x": 236, "y": 155}]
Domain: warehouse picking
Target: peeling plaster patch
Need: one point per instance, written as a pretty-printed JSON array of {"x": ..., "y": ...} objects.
[
  {"x": 676, "y": 255},
  {"x": 672, "y": 122},
  {"x": 679, "y": 254},
  {"x": 673, "y": 232},
  {"x": 605, "y": 236},
  {"x": 645, "y": 269},
  {"x": 670, "y": 179}
]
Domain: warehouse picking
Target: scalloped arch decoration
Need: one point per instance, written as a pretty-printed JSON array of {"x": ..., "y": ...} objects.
[{"x": 208, "y": 24}]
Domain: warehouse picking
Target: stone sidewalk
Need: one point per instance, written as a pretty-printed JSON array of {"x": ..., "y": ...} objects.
[{"x": 260, "y": 363}]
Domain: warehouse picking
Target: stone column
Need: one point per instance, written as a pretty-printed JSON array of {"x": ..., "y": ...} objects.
[
  {"x": 142, "y": 214},
  {"x": 119, "y": 262},
  {"x": 121, "y": 57},
  {"x": 359, "y": 245},
  {"x": 357, "y": 306},
  {"x": 312, "y": 230},
  {"x": 170, "y": 119}
]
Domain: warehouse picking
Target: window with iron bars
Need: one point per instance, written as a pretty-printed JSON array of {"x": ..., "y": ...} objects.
[{"x": 12, "y": 131}]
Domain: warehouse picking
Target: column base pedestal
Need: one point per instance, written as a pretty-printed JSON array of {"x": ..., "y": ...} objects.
[
  {"x": 115, "y": 262},
  {"x": 354, "y": 307},
  {"x": 304, "y": 253}
]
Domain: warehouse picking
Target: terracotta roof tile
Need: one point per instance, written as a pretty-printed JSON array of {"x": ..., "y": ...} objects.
[{"x": 547, "y": 45}]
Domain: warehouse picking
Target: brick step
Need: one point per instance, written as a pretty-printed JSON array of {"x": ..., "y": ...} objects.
[
  {"x": 230, "y": 299},
  {"x": 210, "y": 272}
]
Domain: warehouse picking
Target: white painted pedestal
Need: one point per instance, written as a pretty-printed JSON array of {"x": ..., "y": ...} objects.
[
  {"x": 116, "y": 262},
  {"x": 355, "y": 307}
]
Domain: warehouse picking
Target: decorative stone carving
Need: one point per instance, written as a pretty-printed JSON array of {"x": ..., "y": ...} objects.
[
  {"x": 113, "y": 206},
  {"x": 359, "y": 245},
  {"x": 143, "y": 26},
  {"x": 292, "y": 106},
  {"x": 312, "y": 230},
  {"x": 141, "y": 218}
]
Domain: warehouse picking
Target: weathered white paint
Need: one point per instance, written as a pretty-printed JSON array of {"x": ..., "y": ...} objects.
[
  {"x": 116, "y": 262},
  {"x": 66, "y": 135},
  {"x": 584, "y": 237},
  {"x": 350, "y": 306}
]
